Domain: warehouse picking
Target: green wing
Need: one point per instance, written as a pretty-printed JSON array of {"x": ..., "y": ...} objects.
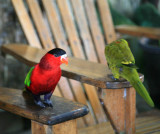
[
  {"x": 27, "y": 80},
  {"x": 118, "y": 53}
]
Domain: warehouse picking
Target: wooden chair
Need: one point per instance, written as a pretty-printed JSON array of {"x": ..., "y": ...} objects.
[{"x": 73, "y": 26}]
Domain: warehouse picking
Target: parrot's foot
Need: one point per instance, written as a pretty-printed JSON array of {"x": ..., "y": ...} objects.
[
  {"x": 48, "y": 103},
  {"x": 38, "y": 101},
  {"x": 112, "y": 77},
  {"x": 47, "y": 100}
]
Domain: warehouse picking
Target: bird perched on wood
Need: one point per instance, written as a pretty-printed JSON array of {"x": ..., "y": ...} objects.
[
  {"x": 44, "y": 76},
  {"x": 122, "y": 64}
]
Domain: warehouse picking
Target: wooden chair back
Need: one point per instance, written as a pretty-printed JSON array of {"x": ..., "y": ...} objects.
[{"x": 74, "y": 26}]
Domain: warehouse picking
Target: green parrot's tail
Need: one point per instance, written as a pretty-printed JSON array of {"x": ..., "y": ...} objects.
[{"x": 141, "y": 90}]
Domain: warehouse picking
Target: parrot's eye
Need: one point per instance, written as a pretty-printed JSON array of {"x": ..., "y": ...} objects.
[{"x": 55, "y": 55}]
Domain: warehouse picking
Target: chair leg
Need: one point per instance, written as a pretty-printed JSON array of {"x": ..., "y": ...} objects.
[
  {"x": 68, "y": 127},
  {"x": 121, "y": 109},
  {"x": 38, "y": 128},
  {"x": 62, "y": 128},
  {"x": 130, "y": 111}
]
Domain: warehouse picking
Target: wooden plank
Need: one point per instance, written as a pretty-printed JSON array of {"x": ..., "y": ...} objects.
[
  {"x": 103, "y": 128},
  {"x": 77, "y": 69},
  {"x": 80, "y": 97},
  {"x": 59, "y": 36},
  {"x": 40, "y": 24},
  {"x": 57, "y": 92},
  {"x": 70, "y": 28},
  {"x": 115, "y": 106},
  {"x": 149, "y": 32},
  {"x": 66, "y": 127},
  {"x": 95, "y": 30},
  {"x": 56, "y": 25},
  {"x": 38, "y": 128},
  {"x": 120, "y": 106},
  {"x": 107, "y": 23},
  {"x": 130, "y": 110},
  {"x": 26, "y": 23},
  {"x": 150, "y": 124},
  {"x": 75, "y": 41},
  {"x": 22, "y": 104},
  {"x": 84, "y": 30}
]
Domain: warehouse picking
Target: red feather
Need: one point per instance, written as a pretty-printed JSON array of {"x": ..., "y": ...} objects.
[{"x": 45, "y": 75}]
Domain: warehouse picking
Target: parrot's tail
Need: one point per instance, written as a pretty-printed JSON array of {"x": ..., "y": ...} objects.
[{"x": 141, "y": 90}]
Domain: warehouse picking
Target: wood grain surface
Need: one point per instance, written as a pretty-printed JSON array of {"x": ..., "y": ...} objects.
[
  {"x": 138, "y": 31},
  {"x": 22, "y": 103},
  {"x": 77, "y": 69}
]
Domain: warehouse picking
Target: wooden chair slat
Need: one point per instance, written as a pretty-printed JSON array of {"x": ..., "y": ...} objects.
[
  {"x": 45, "y": 37},
  {"x": 56, "y": 25},
  {"x": 61, "y": 42},
  {"x": 103, "y": 128},
  {"x": 67, "y": 127},
  {"x": 84, "y": 30},
  {"x": 57, "y": 92},
  {"x": 149, "y": 32},
  {"x": 26, "y": 23},
  {"x": 95, "y": 29},
  {"x": 73, "y": 37},
  {"x": 80, "y": 97},
  {"x": 94, "y": 100},
  {"x": 150, "y": 124},
  {"x": 70, "y": 29},
  {"x": 107, "y": 23}
]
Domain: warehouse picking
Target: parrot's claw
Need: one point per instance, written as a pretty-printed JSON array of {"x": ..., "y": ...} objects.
[
  {"x": 47, "y": 100},
  {"x": 112, "y": 77},
  {"x": 48, "y": 103},
  {"x": 40, "y": 103}
]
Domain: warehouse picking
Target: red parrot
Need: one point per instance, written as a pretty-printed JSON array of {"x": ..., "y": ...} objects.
[{"x": 44, "y": 76}]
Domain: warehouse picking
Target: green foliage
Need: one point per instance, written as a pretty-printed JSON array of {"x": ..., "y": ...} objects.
[
  {"x": 147, "y": 15},
  {"x": 119, "y": 19}
]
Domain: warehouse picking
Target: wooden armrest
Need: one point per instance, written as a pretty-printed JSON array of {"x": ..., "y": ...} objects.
[
  {"x": 22, "y": 103},
  {"x": 88, "y": 72},
  {"x": 149, "y": 32}
]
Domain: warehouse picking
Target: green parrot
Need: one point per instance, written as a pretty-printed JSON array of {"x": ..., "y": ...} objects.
[{"x": 122, "y": 64}]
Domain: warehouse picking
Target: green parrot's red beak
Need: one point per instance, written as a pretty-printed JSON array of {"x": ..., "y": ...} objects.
[{"x": 64, "y": 60}]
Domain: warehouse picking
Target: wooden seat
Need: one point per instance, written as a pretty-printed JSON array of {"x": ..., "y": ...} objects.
[
  {"x": 74, "y": 26},
  {"x": 144, "y": 125}
]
